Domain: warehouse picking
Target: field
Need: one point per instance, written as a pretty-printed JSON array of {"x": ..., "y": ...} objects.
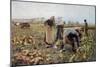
[{"x": 28, "y": 48}]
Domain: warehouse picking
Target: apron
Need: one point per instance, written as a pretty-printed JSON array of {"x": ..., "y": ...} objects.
[{"x": 50, "y": 35}]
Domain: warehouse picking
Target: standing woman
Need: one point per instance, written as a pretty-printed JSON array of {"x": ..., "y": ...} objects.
[
  {"x": 60, "y": 26},
  {"x": 49, "y": 33},
  {"x": 59, "y": 34}
]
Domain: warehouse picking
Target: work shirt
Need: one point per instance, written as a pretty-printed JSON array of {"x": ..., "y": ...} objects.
[
  {"x": 59, "y": 21},
  {"x": 69, "y": 30}
]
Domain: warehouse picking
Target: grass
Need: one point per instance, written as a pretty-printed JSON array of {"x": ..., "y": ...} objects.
[{"x": 32, "y": 51}]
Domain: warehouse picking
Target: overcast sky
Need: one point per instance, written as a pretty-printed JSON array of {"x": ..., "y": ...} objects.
[{"x": 75, "y": 13}]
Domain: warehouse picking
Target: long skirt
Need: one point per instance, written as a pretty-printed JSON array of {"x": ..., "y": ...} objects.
[{"x": 49, "y": 36}]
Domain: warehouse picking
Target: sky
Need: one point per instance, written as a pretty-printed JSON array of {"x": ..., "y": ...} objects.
[{"x": 28, "y": 10}]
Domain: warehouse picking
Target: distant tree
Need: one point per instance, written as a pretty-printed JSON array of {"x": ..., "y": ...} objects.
[
  {"x": 70, "y": 23},
  {"x": 42, "y": 19},
  {"x": 64, "y": 22},
  {"x": 77, "y": 23}
]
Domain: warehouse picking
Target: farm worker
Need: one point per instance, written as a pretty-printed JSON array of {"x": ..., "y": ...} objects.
[
  {"x": 60, "y": 26},
  {"x": 59, "y": 34},
  {"x": 71, "y": 36},
  {"x": 49, "y": 33},
  {"x": 86, "y": 27}
]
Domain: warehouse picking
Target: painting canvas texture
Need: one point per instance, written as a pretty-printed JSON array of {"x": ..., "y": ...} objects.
[{"x": 52, "y": 33}]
